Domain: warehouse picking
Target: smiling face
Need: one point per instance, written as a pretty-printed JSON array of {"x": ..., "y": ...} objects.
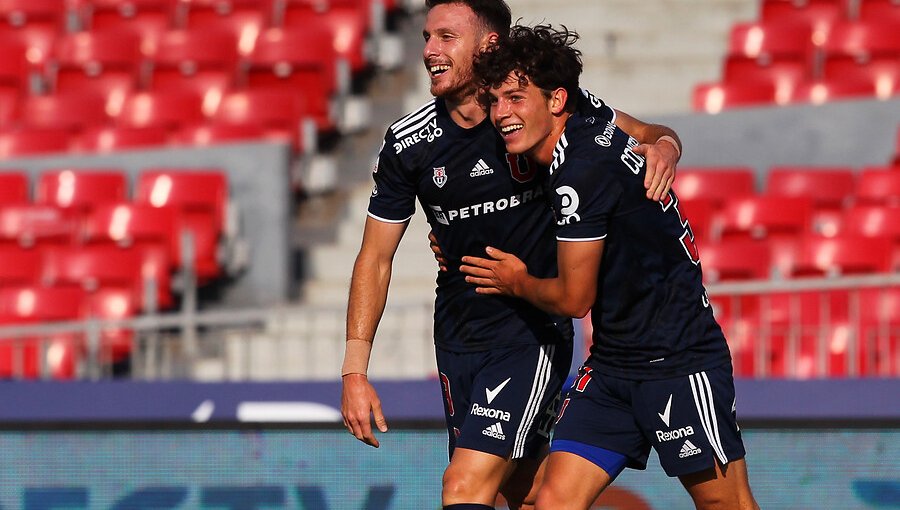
[
  {"x": 453, "y": 35},
  {"x": 528, "y": 120}
]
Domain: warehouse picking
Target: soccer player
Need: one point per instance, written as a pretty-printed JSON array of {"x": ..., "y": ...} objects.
[
  {"x": 659, "y": 371},
  {"x": 501, "y": 361}
]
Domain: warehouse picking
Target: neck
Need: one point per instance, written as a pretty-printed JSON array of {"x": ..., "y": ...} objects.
[
  {"x": 543, "y": 153},
  {"x": 465, "y": 111}
]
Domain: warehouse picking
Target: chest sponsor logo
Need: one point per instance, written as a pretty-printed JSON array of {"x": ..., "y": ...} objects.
[
  {"x": 488, "y": 412},
  {"x": 605, "y": 139},
  {"x": 445, "y": 217},
  {"x": 428, "y": 133},
  {"x": 440, "y": 176}
]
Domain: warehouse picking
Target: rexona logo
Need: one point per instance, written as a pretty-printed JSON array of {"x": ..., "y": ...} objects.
[
  {"x": 672, "y": 435},
  {"x": 487, "y": 412}
]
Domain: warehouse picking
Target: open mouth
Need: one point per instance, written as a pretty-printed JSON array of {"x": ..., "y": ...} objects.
[
  {"x": 511, "y": 128},
  {"x": 437, "y": 70}
]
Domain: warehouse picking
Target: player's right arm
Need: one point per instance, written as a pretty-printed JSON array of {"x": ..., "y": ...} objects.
[{"x": 368, "y": 295}]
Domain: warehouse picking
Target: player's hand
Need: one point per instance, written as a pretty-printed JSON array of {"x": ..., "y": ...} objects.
[
  {"x": 500, "y": 274},
  {"x": 438, "y": 254},
  {"x": 661, "y": 160},
  {"x": 358, "y": 401}
]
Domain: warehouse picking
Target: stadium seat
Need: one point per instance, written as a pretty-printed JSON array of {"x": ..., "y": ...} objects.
[
  {"x": 735, "y": 260},
  {"x": 278, "y": 113},
  {"x": 116, "y": 343},
  {"x": 874, "y": 221},
  {"x": 763, "y": 41},
  {"x": 19, "y": 267},
  {"x": 14, "y": 69},
  {"x": 879, "y": 331},
  {"x": 701, "y": 214},
  {"x": 25, "y": 356},
  {"x": 828, "y": 89},
  {"x": 878, "y": 186},
  {"x": 201, "y": 196},
  {"x": 114, "y": 138},
  {"x": 81, "y": 190},
  {"x": 26, "y": 142},
  {"x": 146, "y": 18},
  {"x": 763, "y": 216},
  {"x": 107, "y": 63},
  {"x": 199, "y": 61},
  {"x": 830, "y": 188},
  {"x": 128, "y": 225},
  {"x": 34, "y": 24},
  {"x": 214, "y": 133},
  {"x": 714, "y": 97},
  {"x": 168, "y": 110},
  {"x": 881, "y": 72},
  {"x": 245, "y": 19},
  {"x": 29, "y": 225},
  {"x": 834, "y": 256},
  {"x": 879, "y": 11},
  {"x": 350, "y": 22},
  {"x": 71, "y": 111},
  {"x": 863, "y": 40},
  {"x": 13, "y": 188},
  {"x": 10, "y": 100},
  {"x": 718, "y": 184},
  {"x": 784, "y": 72},
  {"x": 820, "y": 15},
  {"x": 302, "y": 61}
]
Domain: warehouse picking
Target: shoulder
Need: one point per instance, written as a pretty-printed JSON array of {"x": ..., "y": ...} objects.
[
  {"x": 591, "y": 105},
  {"x": 409, "y": 122},
  {"x": 587, "y": 138}
]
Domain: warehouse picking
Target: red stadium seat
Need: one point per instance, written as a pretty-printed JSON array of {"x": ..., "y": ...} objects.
[
  {"x": 830, "y": 188},
  {"x": 129, "y": 225},
  {"x": 19, "y": 267},
  {"x": 863, "y": 40},
  {"x": 116, "y": 343},
  {"x": 215, "y": 133},
  {"x": 14, "y": 70},
  {"x": 874, "y": 221},
  {"x": 763, "y": 41},
  {"x": 71, "y": 111},
  {"x": 820, "y": 15},
  {"x": 199, "y": 61},
  {"x": 13, "y": 188},
  {"x": 103, "y": 62},
  {"x": 829, "y": 89},
  {"x": 783, "y": 72},
  {"x": 718, "y": 184},
  {"x": 245, "y": 19},
  {"x": 880, "y": 72},
  {"x": 301, "y": 61},
  {"x": 735, "y": 260},
  {"x": 21, "y": 142},
  {"x": 827, "y": 256},
  {"x": 168, "y": 110},
  {"x": 701, "y": 214},
  {"x": 80, "y": 190},
  {"x": 34, "y": 24},
  {"x": 715, "y": 97},
  {"x": 350, "y": 22},
  {"x": 114, "y": 138},
  {"x": 22, "y": 357},
  {"x": 201, "y": 196},
  {"x": 278, "y": 113},
  {"x": 10, "y": 100},
  {"x": 879, "y": 11},
  {"x": 878, "y": 185},
  {"x": 28, "y": 225},
  {"x": 147, "y": 18}
]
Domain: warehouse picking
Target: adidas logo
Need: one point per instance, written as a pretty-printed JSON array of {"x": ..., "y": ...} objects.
[
  {"x": 481, "y": 168},
  {"x": 688, "y": 449},
  {"x": 495, "y": 431}
]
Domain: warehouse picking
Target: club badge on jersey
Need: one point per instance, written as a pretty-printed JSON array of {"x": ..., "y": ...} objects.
[{"x": 439, "y": 177}]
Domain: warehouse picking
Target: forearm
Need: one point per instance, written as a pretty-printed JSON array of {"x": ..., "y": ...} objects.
[
  {"x": 552, "y": 295},
  {"x": 368, "y": 295}
]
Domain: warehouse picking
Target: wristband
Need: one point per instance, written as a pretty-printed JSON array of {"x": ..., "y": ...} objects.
[
  {"x": 356, "y": 357},
  {"x": 667, "y": 138}
]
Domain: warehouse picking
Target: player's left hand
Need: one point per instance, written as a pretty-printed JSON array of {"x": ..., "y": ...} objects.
[
  {"x": 499, "y": 274},
  {"x": 661, "y": 158}
]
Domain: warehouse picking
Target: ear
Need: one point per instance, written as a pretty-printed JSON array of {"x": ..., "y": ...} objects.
[
  {"x": 558, "y": 100},
  {"x": 490, "y": 40}
]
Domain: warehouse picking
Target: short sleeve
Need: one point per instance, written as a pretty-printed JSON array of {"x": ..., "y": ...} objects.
[
  {"x": 584, "y": 197},
  {"x": 590, "y": 105},
  {"x": 393, "y": 196}
]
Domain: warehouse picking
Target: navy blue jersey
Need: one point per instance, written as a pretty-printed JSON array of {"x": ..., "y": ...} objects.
[
  {"x": 651, "y": 318},
  {"x": 474, "y": 195}
]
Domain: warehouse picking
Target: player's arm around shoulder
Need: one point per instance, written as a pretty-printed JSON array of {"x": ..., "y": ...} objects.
[
  {"x": 661, "y": 147},
  {"x": 368, "y": 294}
]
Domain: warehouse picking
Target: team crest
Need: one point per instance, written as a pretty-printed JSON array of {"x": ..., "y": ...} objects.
[{"x": 440, "y": 176}]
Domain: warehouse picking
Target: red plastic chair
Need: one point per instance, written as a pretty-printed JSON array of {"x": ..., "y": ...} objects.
[
  {"x": 821, "y": 15},
  {"x": 103, "y": 62},
  {"x": 128, "y": 225},
  {"x": 245, "y": 19},
  {"x": 302, "y": 62},
  {"x": 717, "y": 184},
  {"x": 714, "y": 97},
  {"x": 13, "y": 188},
  {"x": 23, "y": 142},
  {"x": 874, "y": 221},
  {"x": 350, "y": 22},
  {"x": 784, "y": 72},
  {"x": 828, "y": 89},
  {"x": 30, "y": 225},
  {"x": 701, "y": 215},
  {"x": 14, "y": 69},
  {"x": 70, "y": 111},
  {"x": 735, "y": 260},
  {"x": 218, "y": 133},
  {"x": 115, "y": 138},
  {"x": 765, "y": 217},
  {"x": 863, "y": 40},
  {"x": 147, "y": 18},
  {"x": 763, "y": 41},
  {"x": 200, "y": 61},
  {"x": 830, "y": 188},
  {"x": 25, "y": 356},
  {"x": 10, "y": 99},
  {"x": 879, "y": 11},
  {"x": 80, "y": 190},
  {"x": 880, "y": 72},
  {"x": 167, "y": 110},
  {"x": 878, "y": 186},
  {"x": 34, "y": 24},
  {"x": 19, "y": 267},
  {"x": 278, "y": 113},
  {"x": 201, "y": 196},
  {"x": 826, "y": 256},
  {"x": 116, "y": 343}
]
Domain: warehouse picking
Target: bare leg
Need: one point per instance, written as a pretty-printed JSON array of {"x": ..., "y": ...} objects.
[
  {"x": 473, "y": 477},
  {"x": 721, "y": 487},
  {"x": 571, "y": 483}
]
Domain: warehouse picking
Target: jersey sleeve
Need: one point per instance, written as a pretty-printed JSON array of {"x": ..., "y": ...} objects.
[
  {"x": 393, "y": 196},
  {"x": 591, "y": 105}
]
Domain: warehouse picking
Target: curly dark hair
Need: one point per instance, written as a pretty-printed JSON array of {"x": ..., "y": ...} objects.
[
  {"x": 494, "y": 14},
  {"x": 541, "y": 54}
]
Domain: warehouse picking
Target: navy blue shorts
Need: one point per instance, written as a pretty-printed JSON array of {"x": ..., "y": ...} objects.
[
  {"x": 690, "y": 420},
  {"x": 503, "y": 401}
]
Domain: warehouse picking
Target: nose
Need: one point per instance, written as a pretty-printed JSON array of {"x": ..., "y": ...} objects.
[
  {"x": 500, "y": 109},
  {"x": 431, "y": 48}
]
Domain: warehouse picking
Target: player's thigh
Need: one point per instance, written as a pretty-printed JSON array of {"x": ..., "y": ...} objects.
[
  {"x": 473, "y": 477},
  {"x": 571, "y": 482},
  {"x": 523, "y": 479},
  {"x": 721, "y": 487}
]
